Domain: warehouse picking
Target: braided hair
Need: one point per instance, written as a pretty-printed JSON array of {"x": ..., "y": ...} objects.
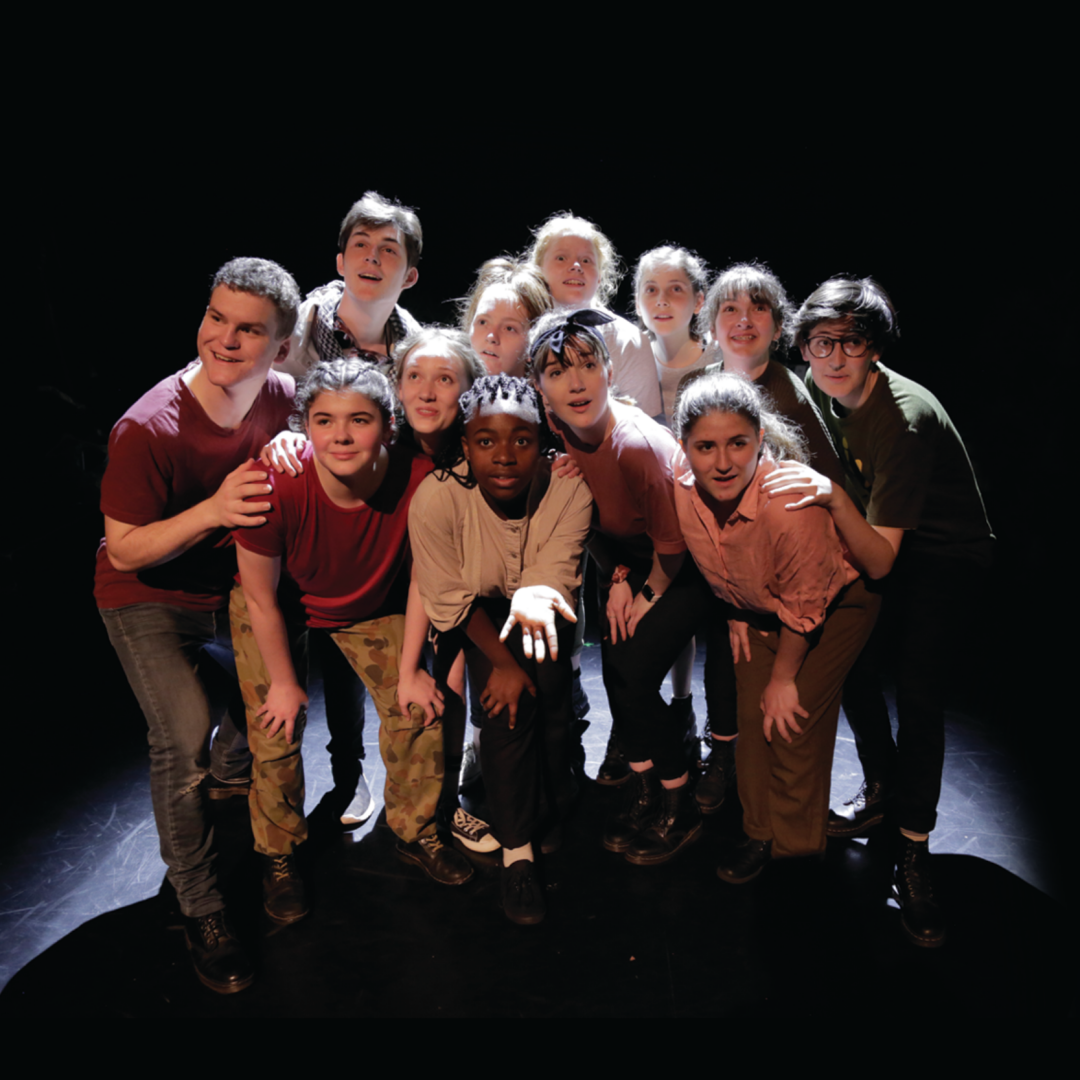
[{"x": 495, "y": 394}]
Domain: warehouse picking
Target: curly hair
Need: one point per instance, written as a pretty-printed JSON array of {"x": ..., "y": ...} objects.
[
  {"x": 495, "y": 394},
  {"x": 345, "y": 376},
  {"x": 608, "y": 264},
  {"x": 262, "y": 277}
]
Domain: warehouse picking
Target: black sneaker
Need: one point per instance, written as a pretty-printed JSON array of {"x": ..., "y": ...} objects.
[{"x": 473, "y": 832}]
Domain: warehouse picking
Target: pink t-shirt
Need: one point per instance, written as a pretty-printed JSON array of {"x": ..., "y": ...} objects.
[
  {"x": 166, "y": 456},
  {"x": 629, "y": 475},
  {"x": 351, "y": 564},
  {"x": 764, "y": 558}
]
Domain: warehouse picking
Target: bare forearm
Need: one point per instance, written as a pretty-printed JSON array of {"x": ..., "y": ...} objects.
[
  {"x": 272, "y": 637},
  {"x": 132, "y": 548},
  {"x": 790, "y": 654},
  {"x": 665, "y": 568},
  {"x": 416, "y": 630},
  {"x": 482, "y": 632},
  {"x": 872, "y": 552}
]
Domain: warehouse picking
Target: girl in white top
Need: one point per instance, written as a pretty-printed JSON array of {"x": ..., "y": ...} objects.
[
  {"x": 669, "y": 289},
  {"x": 581, "y": 269}
]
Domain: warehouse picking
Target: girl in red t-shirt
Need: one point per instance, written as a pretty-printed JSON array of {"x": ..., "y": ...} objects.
[{"x": 339, "y": 531}]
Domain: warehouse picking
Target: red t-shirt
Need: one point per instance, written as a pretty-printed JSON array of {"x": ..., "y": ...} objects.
[
  {"x": 351, "y": 564},
  {"x": 166, "y": 456}
]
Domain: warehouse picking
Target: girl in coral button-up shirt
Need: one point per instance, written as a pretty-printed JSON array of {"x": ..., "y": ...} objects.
[{"x": 803, "y": 615}]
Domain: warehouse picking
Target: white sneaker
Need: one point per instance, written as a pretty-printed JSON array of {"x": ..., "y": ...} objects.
[
  {"x": 475, "y": 834},
  {"x": 361, "y": 807},
  {"x": 470, "y": 766}
]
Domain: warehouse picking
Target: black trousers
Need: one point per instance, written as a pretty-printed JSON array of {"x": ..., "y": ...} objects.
[
  {"x": 634, "y": 669},
  {"x": 527, "y": 774}
]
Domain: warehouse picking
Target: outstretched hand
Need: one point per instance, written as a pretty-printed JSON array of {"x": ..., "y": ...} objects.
[{"x": 534, "y": 607}]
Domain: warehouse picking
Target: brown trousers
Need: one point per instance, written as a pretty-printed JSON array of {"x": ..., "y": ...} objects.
[{"x": 784, "y": 787}]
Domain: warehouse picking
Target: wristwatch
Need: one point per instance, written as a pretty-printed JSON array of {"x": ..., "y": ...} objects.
[{"x": 647, "y": 592}]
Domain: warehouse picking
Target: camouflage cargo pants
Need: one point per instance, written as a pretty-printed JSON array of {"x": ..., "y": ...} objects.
[
  {"x": 412, "y": 753},
  {"x": 276, "y": 801}
]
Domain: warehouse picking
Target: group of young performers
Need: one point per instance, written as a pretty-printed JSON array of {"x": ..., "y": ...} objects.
[{"x": 424, "y": 528}]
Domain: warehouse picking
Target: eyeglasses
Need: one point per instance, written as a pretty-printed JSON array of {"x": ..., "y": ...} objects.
[{"x": 854, "y": 345}]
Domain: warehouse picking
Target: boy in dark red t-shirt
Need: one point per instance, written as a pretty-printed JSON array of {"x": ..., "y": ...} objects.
[{"x": 180, "y": 477}]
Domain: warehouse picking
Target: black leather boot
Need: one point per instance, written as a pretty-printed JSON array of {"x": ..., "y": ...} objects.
[
  {"x": 284, "y": 897},
  {"x": 614, "y": 769},
  {"x": 744, "y": 862},
  {"x": 642, "y": 801},
  {"x": 861, "y": 813},
  {"x": 220, "y": 960},
  {"x": 913, "y": 886},
  {"x": 677, "y": 825},
  {"x": 718, "y": 777}
]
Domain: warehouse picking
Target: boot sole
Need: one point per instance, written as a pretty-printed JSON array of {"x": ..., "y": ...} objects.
[
  {"x": 605, "y": 781},
  {"x": 849, "y": 832},
  {"x": 285, "y": 920},
  {"x": 666, "y": 856}
]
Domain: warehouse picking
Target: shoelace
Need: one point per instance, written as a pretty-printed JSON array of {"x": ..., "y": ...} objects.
[
  {"x": 280, "y": 867},
  {"x": 859, "y": 796},
  {"x": 469, "y": 825},
  {"x": 213, "y": 930}
]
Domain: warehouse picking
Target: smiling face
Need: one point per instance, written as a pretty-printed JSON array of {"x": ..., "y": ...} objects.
[
  {"x": 745, "y": 330},
  {"x": 238, "y": 338},
  {"x": 842, "y": 377},
  {"x": 723, "y": 450},
  {"x": 503, "y": 452},
  {"x": 666, "y": 300},
  {"x": 571, "y": 270},
  {"x": 374, "y": 264},
  {"x": 346, "y": 432},
  {"x": 577, "y": 392},
  {"x": 432, "y": 380},
  {"x": 500, "y": 331}
]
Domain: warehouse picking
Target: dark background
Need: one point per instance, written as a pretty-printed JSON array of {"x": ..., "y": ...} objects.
[{"x": 127, "y": 229}]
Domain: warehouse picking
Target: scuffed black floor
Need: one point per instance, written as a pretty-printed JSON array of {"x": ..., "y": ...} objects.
[{"x": 88, "y": 928}]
